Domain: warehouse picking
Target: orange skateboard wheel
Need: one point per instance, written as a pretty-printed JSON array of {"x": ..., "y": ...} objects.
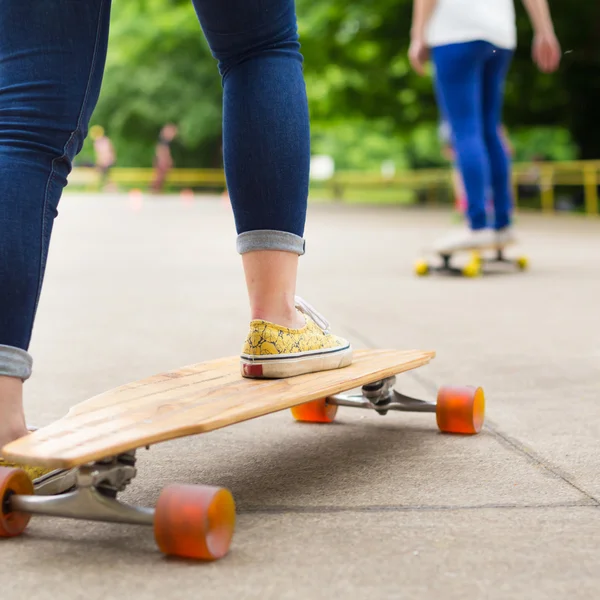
[
  {"x": 317, "y": 411},
  {"x": 194, "y": 521},
  {"x": 13, "y": 481},
  {"x": 460, "y": 409}
]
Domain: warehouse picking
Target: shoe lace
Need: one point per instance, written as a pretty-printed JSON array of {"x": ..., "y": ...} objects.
[{"x": 305, "y": 308}]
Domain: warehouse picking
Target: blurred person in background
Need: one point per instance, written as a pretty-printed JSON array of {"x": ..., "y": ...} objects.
[
  {"x": 163, "y": 160},
  {"x": 458, "y": 188},
  {"x": 53, "y": 60},
  {"x": 472, "y": 43},
  {"x": 105, "y": 154}
]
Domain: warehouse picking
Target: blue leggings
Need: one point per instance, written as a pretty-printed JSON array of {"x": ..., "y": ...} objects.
[
  {"x": 52, "y": 56},
  {"x": 470, "y": 89}
]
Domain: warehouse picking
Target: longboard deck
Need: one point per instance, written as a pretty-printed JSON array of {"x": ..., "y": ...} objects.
[
  {"x": 195, "y": 399},
  {"x": 488, "y": 248}
]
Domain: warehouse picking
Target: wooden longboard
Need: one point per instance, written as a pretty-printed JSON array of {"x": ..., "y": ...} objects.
[{"x": 195, "y": 399}]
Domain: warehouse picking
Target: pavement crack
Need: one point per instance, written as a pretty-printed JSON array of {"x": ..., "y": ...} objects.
[
  {"x": 503, "y": 438},
  {"x": 275, "y": 510},
  {"x": 514, "y": 444}
]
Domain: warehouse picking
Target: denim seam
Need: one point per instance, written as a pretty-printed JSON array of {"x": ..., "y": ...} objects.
[{"x": 66, "y": 146}]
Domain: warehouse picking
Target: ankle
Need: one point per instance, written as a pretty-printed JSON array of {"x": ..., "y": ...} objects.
[
  {"x": 271, "y": 281},
  {"x": 11, "y": 434},
  {"x": 284, "y": 316},
  {"x": 12, "y": 418},
  {"x": 12, "y": 428}
]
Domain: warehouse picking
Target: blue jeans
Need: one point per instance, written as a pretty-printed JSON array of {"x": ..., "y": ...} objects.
[
  {"x": 52, "y": 56},
  {"x": 469, "y": 81}
]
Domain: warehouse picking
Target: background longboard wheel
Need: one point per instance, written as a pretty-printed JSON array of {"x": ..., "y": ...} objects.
[
  {"x": 13, "y": 481},
  {"x": 194, "y": 521},
  {"x": 522, "y": 263},
  {"x": 460, "y": 409},
  {"x": 317, "y": 411},
  {"x": 421, "y": 268},
  {"x": 472, "y": 269}
]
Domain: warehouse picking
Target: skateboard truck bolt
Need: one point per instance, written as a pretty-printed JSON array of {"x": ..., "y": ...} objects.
[
  {"x": 114, "y": 477},
  {"x": 111, "y": 475},
  {"x": 379, "y": 393}
]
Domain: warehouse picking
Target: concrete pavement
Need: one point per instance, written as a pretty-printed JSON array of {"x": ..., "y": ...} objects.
[{"x": 369, "y": 507}]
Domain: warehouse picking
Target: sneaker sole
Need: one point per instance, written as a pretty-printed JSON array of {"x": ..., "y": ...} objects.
[
  {"x": 291, "y": 365},
  {"x": 55, "y": 482}
]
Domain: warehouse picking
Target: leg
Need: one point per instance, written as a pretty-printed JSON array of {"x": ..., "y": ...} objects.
[
  {"x": 266, "y": 148},
  {"x": 160, "y": 174},
  {"x": 271, "y": 282},
  {"x": 52, "y": 61},
  {"x": 11, "y": 410},
  {"x": 494, "y": 75},
  {"x": 265, "y": 142},
  {"x": 103, "y": 179},
  {"x": 459, "y": 89},
  {"x": 459, "y": 192}
]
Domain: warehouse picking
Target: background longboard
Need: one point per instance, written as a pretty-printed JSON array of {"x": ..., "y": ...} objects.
[{"x": 477, "y": 259}]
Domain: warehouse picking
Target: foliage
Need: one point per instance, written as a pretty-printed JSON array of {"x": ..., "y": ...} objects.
[
  {"x": 160, "y": 69},
  {"x": 357, "y": 66},
  {"x": 366, "y": 104}
]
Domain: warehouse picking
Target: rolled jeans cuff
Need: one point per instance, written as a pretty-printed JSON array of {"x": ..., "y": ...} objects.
[
  {"x": 15, "y": 362},
  {"x": 268, "y": 239}
]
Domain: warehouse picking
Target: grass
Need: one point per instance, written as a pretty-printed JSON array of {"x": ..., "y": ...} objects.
[{"x": 363, "y": 195}]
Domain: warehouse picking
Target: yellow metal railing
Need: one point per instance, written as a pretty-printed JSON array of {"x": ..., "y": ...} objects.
[
  {"x": 543, "y": 177},
  {"x": 548, "y": 176},
  {"x": 89, "y": 178}
]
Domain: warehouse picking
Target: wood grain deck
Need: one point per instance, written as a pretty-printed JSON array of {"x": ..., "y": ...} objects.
[{"x": 196, "y": 399}]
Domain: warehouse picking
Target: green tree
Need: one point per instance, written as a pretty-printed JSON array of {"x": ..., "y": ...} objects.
[
  {"x": 159, "y": 69},
  {"x": 362, "y": 91},
  {"x": 356, "y": 64}
]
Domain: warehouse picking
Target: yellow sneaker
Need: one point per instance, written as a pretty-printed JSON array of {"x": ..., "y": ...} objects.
[
  {"x": 273, "y": 351},
  {"x": 46, "y": 482}
]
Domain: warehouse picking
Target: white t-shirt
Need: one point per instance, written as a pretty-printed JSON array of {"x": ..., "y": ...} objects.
[{"x": 455, "y": 21}]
